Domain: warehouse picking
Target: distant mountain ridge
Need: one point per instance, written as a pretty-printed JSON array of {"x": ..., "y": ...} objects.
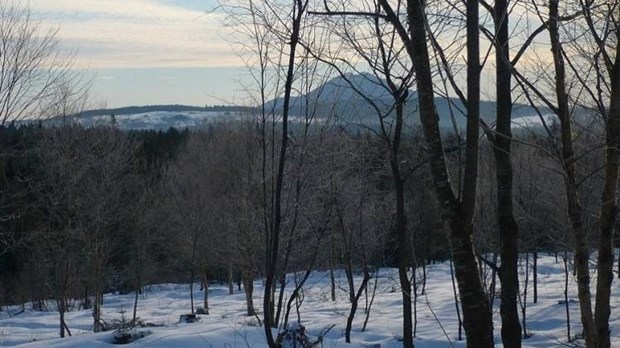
[{"x": 337, "y": 99}]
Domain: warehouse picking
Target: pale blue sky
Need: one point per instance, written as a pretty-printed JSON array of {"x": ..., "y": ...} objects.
[{"x": 147, "y": 51}]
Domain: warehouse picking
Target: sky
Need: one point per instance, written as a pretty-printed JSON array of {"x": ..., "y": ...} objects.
[
  {"x": 144, "y": 52},
  {"x": 140, "y": 52}
]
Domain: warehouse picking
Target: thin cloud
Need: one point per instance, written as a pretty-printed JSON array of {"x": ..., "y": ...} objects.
[{"x": 137, "y": 33}]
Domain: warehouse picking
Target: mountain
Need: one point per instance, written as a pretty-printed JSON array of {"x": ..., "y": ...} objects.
[{"x": 339, "y": 99}]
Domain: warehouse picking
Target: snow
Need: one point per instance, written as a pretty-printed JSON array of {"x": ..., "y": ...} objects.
[
  {"x": 162, "y": 120},
  {"x": 227, "y": 325},
  {"x": 534, "y": 122}
]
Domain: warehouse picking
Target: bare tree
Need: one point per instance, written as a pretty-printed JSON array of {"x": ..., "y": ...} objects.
[
  {"x": 458, "y": 211},
  {"x": 379, "y": 47},
  {"x": 586, "y": 83},
  {"x": 191, "y": 208},
  {"x": 80, "y": 192},
  {"x": 457, "y": 207},
  {"x": 37, "y": 79},
  {"x": 33, "y": 69}
]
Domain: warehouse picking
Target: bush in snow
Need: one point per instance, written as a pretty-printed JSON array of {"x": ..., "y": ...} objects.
[
  {"x": 125, "y": 331},
  {"x": 294, "y": 337},
  {"x": 127, "y": 335}
]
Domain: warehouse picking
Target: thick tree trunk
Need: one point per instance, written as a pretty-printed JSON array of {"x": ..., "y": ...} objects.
[
  {"x": 248, "y": 288},
  {"x": 476, "y": 312},
  {"x": 404, "y": 243},
  {"x": 61, "y": 312},
  {"x": 566, "y": 303},
  {"x": 608, "y": 210},
  {"x": 456, "y": 302},
  {"x": 508, "y": 229}
]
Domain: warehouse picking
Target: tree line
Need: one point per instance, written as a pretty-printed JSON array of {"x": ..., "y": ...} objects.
[{"x": 86, "y": 211}]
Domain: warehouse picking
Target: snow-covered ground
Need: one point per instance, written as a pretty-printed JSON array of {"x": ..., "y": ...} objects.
[
  {"x": 227, "y": 326},
  {"x": 162, "y": 120}
]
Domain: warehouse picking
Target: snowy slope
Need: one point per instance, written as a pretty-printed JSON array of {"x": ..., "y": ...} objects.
[
  {"x": 228, "y": 327},
  {"x": 160, "y": 120}
]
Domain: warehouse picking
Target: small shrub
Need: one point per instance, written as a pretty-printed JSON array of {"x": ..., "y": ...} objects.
[
  {"x": 129, "y": 335},
  {"x": 124, "y": 329},
  {"x": 252, "y": 322},
  {"x": 295, "y": 337}
]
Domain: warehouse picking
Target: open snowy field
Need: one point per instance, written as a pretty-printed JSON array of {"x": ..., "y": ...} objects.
[{"x": 227, "y": 326}]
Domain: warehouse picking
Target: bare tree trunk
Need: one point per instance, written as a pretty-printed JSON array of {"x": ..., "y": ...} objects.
[
  {"x": 332, "y": 282},
  {"x": 456, "y": 302},
  {"x": 608, "y": 209},
  {"x": 137, "y": 288},
  {"x": 205, "y": 288},
  {"x": 231, "y": 280},
  {"x": 62, "y": 284},
  {"x": 524, "y": 301},
  {"x": 372, "y": 300},
  {"x": 423, "y": 279},
  {"x": 458, "y": 214},
  {"x": 138, "y": 284},
  {"x": 568, "y": 155},
  {"x": 566, "y": 275},
  {"x": 295, "y": 297},
  {"x": 493, "y": 286},
  {"x": 508, "y": 229},
  {"x": 404, "y": 244},
  {"x": 274, "y": 226},
  {"x": 280, "y": 303},
  {"x": 248, "y": 288},
  {"x": 535, "y": 275},
  {"x": 191, "y": 287},
  {"x": 61, "y": 312},
  {"x": 332, "y": 279},
  {"x": 414, "y": 284},
  {"x": 618, "y": 265},
  {"x": 354, "y": 297},
  {"x": 98, "y": 294}
]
